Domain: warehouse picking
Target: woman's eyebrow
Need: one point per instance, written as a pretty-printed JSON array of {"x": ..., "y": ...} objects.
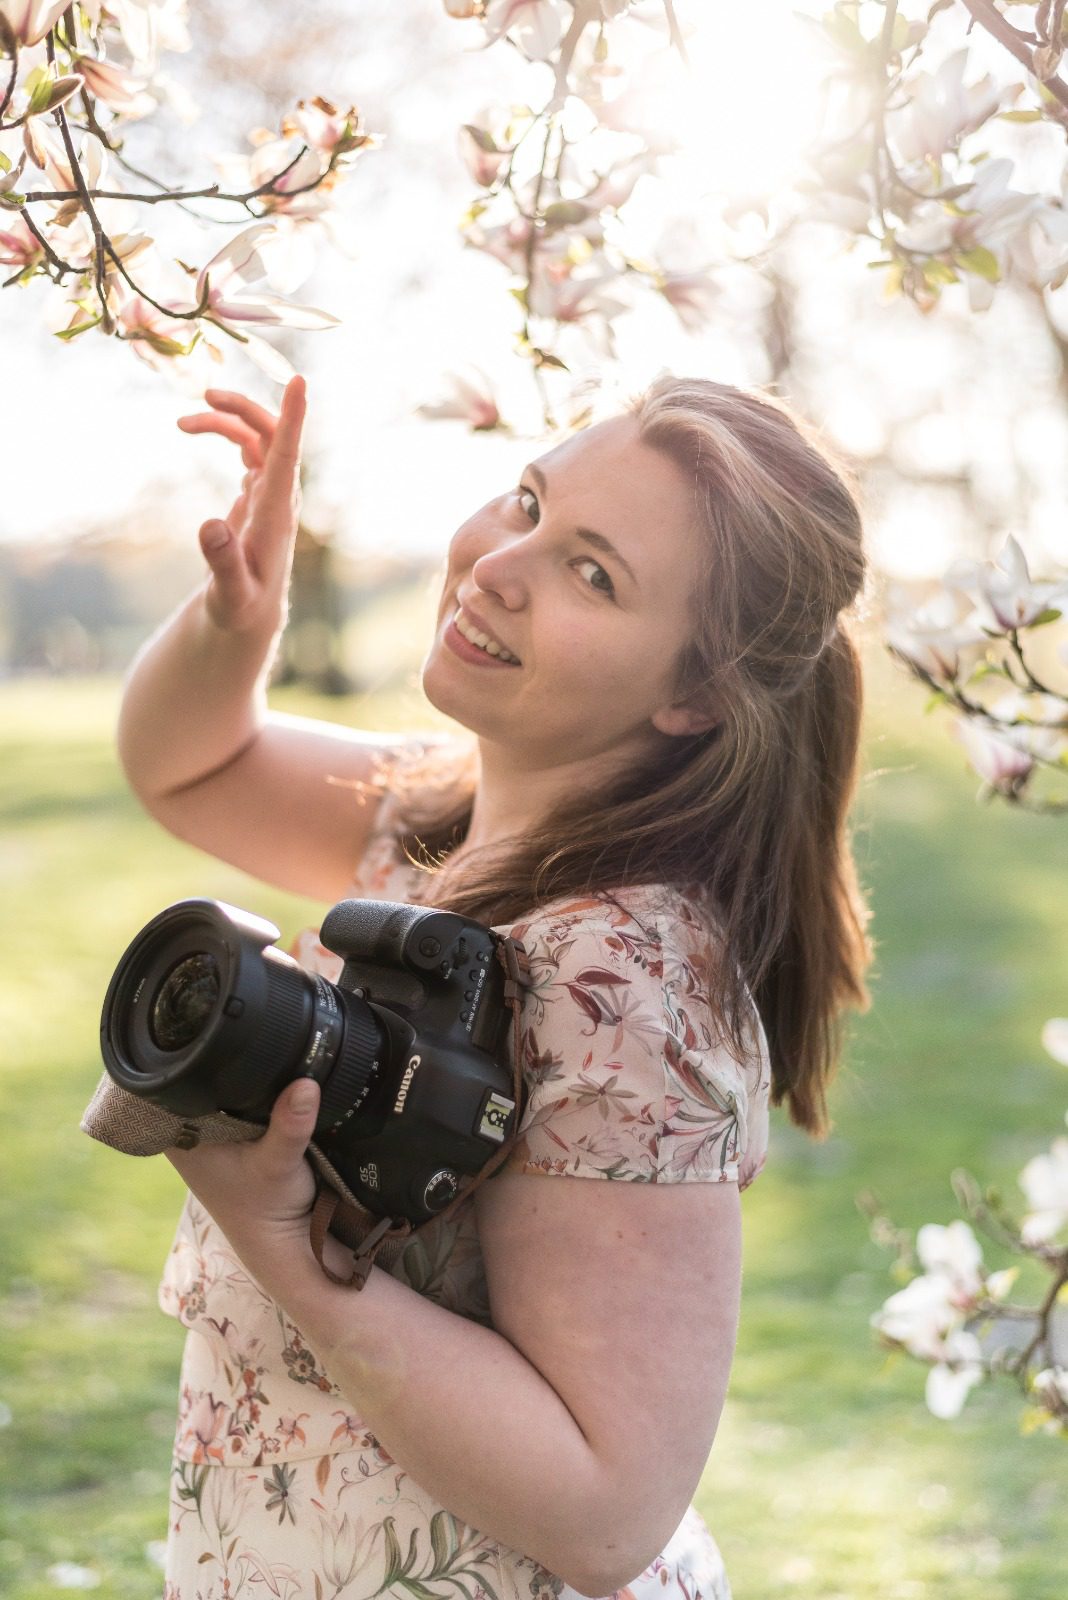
[{"x": 598, "y": 540}]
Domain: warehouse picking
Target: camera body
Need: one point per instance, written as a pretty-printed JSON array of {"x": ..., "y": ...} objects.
[{"x": 205, "y": 1015}]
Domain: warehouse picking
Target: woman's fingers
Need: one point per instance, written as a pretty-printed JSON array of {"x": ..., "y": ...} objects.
[
  {"x": 274, "y": 522},
  {"x": 234, "y": 588},
  {"x": 228, "y": 428},
  {"x": 257, "y": 417},
  {"x": 283, "y": 457}
]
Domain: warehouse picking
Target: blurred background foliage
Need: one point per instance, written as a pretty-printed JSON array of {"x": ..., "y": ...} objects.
[{"x": 829, "y": 1479}]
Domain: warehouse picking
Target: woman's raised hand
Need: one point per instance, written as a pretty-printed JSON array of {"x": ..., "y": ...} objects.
[{"x": 250, "y": 552}]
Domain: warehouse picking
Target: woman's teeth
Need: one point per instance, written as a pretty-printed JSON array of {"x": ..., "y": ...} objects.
[{"x": 483, "y": 640}]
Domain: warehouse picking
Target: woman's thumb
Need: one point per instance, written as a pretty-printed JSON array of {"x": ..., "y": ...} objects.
[
  {"x": 214, "y": 537},
  {"x": 297, "y": 1107}
]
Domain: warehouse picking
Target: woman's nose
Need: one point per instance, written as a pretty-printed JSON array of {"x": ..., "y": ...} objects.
[{"x": 500, "y": 572}]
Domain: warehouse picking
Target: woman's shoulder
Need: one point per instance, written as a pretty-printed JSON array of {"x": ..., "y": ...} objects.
[{"x": 636, "y": 919}]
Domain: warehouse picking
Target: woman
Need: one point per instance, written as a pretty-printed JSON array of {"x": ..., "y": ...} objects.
[{"x": 645, "y": 639}]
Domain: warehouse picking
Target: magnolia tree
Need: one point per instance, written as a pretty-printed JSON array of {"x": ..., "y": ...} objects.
[
  {"x": 975, "y": 645},
  {"x": 75, "y": 211}
]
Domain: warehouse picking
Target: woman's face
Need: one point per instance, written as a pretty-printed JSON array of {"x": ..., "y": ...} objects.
[{"x": 596, "y": 631}]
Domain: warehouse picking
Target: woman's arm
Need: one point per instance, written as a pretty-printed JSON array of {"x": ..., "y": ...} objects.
[
  {"x": 575, "y": 1433},
  {"x": 273, "y": 794}
]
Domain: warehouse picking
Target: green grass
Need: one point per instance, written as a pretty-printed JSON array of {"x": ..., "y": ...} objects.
[{"x": 829, "y": 1478}]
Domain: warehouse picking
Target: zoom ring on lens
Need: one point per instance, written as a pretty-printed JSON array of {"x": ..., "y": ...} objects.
[{"x": 358, "y": 1065}]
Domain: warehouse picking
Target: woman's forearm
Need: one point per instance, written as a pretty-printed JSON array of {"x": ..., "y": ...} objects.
[
  {"x": 194, "y": 698},
  {"x": 458, "y": 1407}
]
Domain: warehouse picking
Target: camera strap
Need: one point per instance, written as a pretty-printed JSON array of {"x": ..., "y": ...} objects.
[{"x": 369, "y": 1236}]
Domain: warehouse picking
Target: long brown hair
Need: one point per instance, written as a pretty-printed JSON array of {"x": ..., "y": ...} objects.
[{"x": 753, "y": 812}]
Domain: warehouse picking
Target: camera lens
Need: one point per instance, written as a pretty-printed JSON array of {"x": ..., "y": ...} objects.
[{"x": 185, "y": 1001}]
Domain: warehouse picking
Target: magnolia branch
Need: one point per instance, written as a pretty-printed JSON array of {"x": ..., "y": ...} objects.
[
  {"x": 1018, "y": 44},
  {"x": 212, "y": 192}
]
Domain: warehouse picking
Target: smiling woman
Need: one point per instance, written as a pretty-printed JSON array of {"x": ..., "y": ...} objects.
[{"x": 652, "y": 797}]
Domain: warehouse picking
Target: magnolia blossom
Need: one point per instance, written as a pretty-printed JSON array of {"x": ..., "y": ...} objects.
[
  {"x": 9, "y": 182},
  {"x": 120, "y": 89},
  {"x": 18, "y": 246},
  {"x": 1006, "y": 597},
  {"x": 1038, "y": 253},
  {"x": 505, "y": 241},
  {"x": 1044, "y": 1181},
  {"x": 928, "y": 1316},
  {"x": 30, "y": 20},
  {"x": 481, "y": 155},
  {"x": 222, "y": 286},
  {"x": 987, "y": 215},
  {"x": 537, "y": 26},
  {"x": 326, "y": 129},
  {"x": 936, "y": 637},
  {"x": 920, "y": 1315},
  {"x": 1050, "y": 1389},
  {"x": 940, "y": 110},
  {"x": 471, "y": 401},
  {"x": 693, "y": 296},
  {"x": 155, "y": 337},
  {"x": 223, "y": 280},
  {"x": 1055, "y": 1039},
  {"x": 569, "y": 294},
  {"x": 955, "y": 1253},
  {"x": 998, "y": 758},
  {"x": 148, "y": 27},
  {"x": 951, "y": 1378}
]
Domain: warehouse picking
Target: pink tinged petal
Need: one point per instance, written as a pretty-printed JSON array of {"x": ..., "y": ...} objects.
[
  {"x": 1044, "y": 1180},
  {"x": 18, "y": 247},
  {"x": 480, "y": 155},
  {"x": 239, "y": 258},
  {"x": 288, "y": 257},
  {"x": 10, "y": 180},
  {"x": 997, "y": 760},
  {"x": 267, "y": 358},
  {"x": 471, "y": 401},
  {"x": 119, "y": 89},
  {"x": 30, "y": 20},
  {"x": 271, "y": 310},
  {"x": 953, "y": 1250},
  {"x": 947, "y": 1387}
]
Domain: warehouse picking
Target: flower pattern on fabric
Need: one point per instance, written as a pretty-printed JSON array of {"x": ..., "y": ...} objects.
[
  {"x": 625, "y": 1064},
  {"x": 278, "y": 1488}
]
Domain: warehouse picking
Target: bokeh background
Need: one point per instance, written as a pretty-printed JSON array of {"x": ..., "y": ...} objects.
[{"x": 829, "y": 1478}]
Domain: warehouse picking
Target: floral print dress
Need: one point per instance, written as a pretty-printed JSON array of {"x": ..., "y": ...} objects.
[{"x": 277, "y": 1488}]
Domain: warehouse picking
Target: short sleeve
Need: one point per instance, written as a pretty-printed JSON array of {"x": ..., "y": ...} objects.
[{"x": 626, "y": 1075}]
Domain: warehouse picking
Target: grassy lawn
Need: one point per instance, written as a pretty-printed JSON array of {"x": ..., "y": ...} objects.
[{"x": 829, "y": 1479}]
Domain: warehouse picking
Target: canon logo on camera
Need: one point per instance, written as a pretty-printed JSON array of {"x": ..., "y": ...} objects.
[{"x": 402, "y": 1092}]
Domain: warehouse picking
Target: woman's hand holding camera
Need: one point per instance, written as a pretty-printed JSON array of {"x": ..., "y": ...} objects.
[
  {"x": 250, "y": 551},
  {"x": 261, "y": 1194}
]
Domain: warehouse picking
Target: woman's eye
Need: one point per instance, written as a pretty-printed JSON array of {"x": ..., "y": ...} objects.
[
  {"x": 608, "y": 587},
  {"x": 529, "y": 495}
]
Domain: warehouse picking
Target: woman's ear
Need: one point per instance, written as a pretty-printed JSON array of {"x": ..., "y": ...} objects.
[{"x": 683, "y": 719}]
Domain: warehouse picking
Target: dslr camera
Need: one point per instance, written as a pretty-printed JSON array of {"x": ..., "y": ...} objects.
[{"x": 204, "y": 1014}]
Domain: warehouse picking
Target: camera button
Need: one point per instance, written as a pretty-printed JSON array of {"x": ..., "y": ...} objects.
[
  {"x": 234, "y": 1007},
  {"x": 469, "y": 994}
]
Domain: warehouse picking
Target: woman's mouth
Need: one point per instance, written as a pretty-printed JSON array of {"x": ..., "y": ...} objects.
[{"x": 470, "y": 644}]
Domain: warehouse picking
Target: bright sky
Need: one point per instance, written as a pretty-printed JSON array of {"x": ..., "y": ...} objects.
[{"x": 92, "y": 429}]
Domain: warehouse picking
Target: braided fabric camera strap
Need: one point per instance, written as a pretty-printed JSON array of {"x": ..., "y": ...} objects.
[{"x": 370, "y": 1237}]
